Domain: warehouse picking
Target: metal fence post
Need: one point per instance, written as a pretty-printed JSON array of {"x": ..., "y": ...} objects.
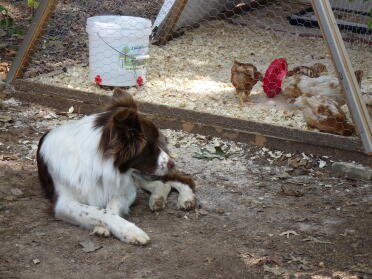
[{"x": 342, "y": 63}]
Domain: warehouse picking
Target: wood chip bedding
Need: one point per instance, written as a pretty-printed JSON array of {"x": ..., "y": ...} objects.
[{"x": 193, "y": 71}]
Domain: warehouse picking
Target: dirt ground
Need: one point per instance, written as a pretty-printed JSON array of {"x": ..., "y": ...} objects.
[{"x": 261, "y": 214}]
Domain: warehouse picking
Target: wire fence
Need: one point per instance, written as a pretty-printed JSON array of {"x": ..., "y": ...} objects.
[
  {"x": 217, "y": 57},
  {"x": 15, "y": 19}
]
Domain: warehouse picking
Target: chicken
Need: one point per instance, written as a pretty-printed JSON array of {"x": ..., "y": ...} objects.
[
  {"x": 324, "y": 114},
  {"x": 320, "y": 99},
  {"x": 313, "y": 71},
  {"x": 359, "y": 77},
  {"x": 303, "y": 85},
  {"x": 244, "y": 76}
]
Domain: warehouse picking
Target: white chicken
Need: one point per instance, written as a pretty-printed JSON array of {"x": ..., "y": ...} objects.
[
  {"x": 305, "y": 86},
  {"x": 320, "y": 99}
]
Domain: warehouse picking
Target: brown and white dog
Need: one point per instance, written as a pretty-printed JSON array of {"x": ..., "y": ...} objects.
[{"x": 91, "y": 169}]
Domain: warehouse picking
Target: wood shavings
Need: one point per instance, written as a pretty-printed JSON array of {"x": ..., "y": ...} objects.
[{"x": 193, "y": 71}]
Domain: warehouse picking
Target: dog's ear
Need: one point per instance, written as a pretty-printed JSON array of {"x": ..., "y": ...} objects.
[
  {"x": 129, "y": 139},
  {"x": 118, "y": 92},
  {"x": 127, "y": 120},
  {"x": 121, "y": 98}
]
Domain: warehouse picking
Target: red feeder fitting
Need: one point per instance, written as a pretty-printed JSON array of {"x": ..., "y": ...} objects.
[
  {"x": 98, "y": 79},
  {"x": 272, "y": 81},
  {"x": 140, "y": 81}
]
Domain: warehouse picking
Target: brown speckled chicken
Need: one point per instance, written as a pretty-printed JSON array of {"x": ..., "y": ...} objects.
[
  {"x": 313, "y": 71},
  {"x": 359, "y": 76},
  {"x": 244, "y": 76},
  {"x": 325, "y": 114}
]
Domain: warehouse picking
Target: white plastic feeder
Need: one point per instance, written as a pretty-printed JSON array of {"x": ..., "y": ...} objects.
[{"x": 118, "y": 49}]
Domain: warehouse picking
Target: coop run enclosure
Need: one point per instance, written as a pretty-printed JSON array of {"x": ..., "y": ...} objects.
[{"x": 190, "y": 82}]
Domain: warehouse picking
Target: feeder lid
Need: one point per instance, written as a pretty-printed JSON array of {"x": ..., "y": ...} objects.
[
  {"x": 272, "y": 81},
  {"x": 119, "y": 26}
]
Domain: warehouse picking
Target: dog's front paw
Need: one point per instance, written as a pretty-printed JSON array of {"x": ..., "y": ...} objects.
[
  {"x": 100, "y": 231},
  {"x": 157, "y": 203},
  {"x": 133, "y": 235},
  {"x": 158, "y": 198},
  {"x": 186, "y": 196},
  {"x": 186, "y": 200},
  {"x": 137, "y": 236}
]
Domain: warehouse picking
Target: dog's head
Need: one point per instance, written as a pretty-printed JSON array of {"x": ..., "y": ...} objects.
[{"x": 132, "y": 141}]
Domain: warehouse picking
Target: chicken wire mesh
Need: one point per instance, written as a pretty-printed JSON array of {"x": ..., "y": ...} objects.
[
  {"x": 214, "y": 60},
  {"x": 355, "y": 21},
  {"x": 15, "y": 18}
]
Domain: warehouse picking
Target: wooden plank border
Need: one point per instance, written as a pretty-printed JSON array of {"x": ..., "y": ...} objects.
[{"x": 261, "y": 134}]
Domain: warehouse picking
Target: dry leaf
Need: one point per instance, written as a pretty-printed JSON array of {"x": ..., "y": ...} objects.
[
  {"x": 4, "y": 69},
  {"x": 10, "y": 53},
  {"x": 288, "y": 233},
  {"x": 297, "y": 162},
  {"x": 8, "y": 157},
  {"x": 277, "y": 271},
  {"x": 71, "y": 109},
  {"x": 322, "y": 164},
  {"x": 269, "y": 260},
  {"x": 210, "y": 259},
  {"x": 16, "y": 192},
  {"x": 362, "y": 268},
  {"x": 287, "y": 191},
  {"x": 89, "y": 246},
  {"x": 3, "y": 33},
  {"x": 10, "y": 198},
  {"x": 294, "y": 259},
  {"x": 283, "y": 175},
  {"x": 202, "y": 212},
  {"x": 5, "y": 118},
  {"x": 313, "y": 239}
]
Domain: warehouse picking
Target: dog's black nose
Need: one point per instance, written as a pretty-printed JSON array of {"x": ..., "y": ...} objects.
[{"x": 170, "y": 164}]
